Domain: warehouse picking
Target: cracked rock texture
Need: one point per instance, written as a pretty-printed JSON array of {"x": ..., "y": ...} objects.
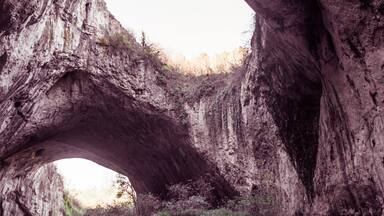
[
  {"x": 302, "y": 119},
  {"x": 38, "y": 193},
  {"x": 331, "y": 119}
]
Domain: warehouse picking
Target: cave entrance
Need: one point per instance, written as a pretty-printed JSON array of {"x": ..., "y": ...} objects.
[
  {"x": 89, "y": 188},
  {"x": 81, "y": 118},
  {"x": 70, "y": 187},
  {"x": 89, "y": 185},
  {"x": 118, "y": 132},
  {"x": 197, "y": 37},
  {"x": 189, "y": 28}
]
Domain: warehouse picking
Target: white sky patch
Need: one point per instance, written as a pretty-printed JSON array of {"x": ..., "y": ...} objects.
[
  {"x": 187, "y": 27},
  {"x": 84, "y": 174}
]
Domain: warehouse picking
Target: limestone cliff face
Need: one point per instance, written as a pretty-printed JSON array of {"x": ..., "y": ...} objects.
[
  {"x": 333, "y": 50},
  {"x": 302, "y": 119},
  {"x": 39, "y": 193}
]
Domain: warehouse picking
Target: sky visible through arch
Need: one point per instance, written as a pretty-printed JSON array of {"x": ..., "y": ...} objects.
[{"x": 187, "y": 27}]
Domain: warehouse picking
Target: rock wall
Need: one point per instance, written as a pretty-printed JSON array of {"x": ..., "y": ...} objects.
[
  {"x": 337, "y": 47},
  {"x": 302, "y": 119},
  {"x": 40, "y": 193},
  {"x": 350, "y": 166}
]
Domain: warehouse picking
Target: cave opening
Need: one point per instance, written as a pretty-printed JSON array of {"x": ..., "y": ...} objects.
[
  {"x": 71, "y": 186},
  {"x": 194, "y": 38},
  {"x": 123, "y": 134},
  {"x": 89, "y": 186},
  {"x": 151, "y": 169}
]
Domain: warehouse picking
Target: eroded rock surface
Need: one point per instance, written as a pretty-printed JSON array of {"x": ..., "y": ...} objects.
[
  {"x": 38, "y": 193},
  {"x": 302, "y": 119},
  {"x": 342, "y": 45}
]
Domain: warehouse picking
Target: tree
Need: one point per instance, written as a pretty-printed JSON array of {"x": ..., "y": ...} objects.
[
  {"x": 143, "y": 39},
  {"x": 125, "y": 189}
]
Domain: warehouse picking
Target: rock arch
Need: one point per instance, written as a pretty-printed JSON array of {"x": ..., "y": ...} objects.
[{"x": 75, "y": 118}]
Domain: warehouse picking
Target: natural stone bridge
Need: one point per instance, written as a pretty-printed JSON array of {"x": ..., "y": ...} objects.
[{"x": 303, "y": 115}]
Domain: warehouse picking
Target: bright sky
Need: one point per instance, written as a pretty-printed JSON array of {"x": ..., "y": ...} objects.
[
  {"x": 187, "y": 27},
  {"x": 89, "y": 182},
  {"x": 84, "y": 174}
]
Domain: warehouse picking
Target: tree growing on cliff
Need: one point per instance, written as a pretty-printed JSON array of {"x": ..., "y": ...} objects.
[{"x": 125, "y": 189}]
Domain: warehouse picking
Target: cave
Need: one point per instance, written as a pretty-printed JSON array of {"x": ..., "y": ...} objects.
[
  {"x": 301, "y": 119},
  {"x": 110, "y": 129}
]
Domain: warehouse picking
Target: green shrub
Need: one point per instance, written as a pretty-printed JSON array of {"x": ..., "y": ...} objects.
[
  {"x": 111, "y": 210},
  {"x": 189, "y": 206},
  {"x": 265, "y": 201},
  {"x": 179, "y": 191},
  {"x": 188, "y": 199},
  {"x": 191, "y": 199},
  {"x": 71, "y": 206},
  {"x": 199, "y": 188},
  {"x": 120, "y": 40},
  {"x": 147, "y": 205},
  {"x": 163, "y": 213},
  {"x": 223, "y": 212}
]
